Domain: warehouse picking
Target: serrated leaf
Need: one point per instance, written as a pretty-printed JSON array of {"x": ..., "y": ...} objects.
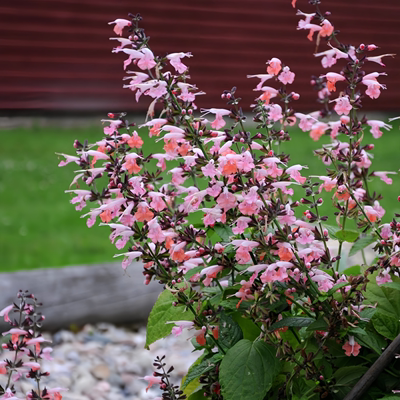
[
  {"x": 248, "y": 370},
  {"x": 229, "y": 331},
  {"x": 164, "y": 311},
  {"x": 387, "y": 326},
  {"x": 361, "y": 243},
  {"x": 353, "y": 270},
  {"x": 347, "y": 375},
  {"x": 319, "y": 325},
  {"x": 199, "y": 367},
  {"x": 372, "y": 341},
  {"x": 250, "y": 330},
  {"x": 347, "y": 236},
  {"x": 387, "y": 298},
  {"x": 292, "y": 321},
  {"x": 223, "y": 231},
  {"x": 332, "y": 230}
]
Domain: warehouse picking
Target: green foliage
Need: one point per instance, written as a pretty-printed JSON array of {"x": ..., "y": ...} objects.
[
  {"x": 347, "y": 236},
  {"x": 164, "y": 311},
  {"x": 248, "y": 370},
  {"x": 292, "y": 321},
  {"x": 229, "y": 331},
  {"x": 361, "y": 243},
  {"x": 202, "y": 365}
]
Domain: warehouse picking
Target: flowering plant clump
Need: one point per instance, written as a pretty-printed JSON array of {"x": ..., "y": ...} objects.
[
  {"x": 24, "y": 350},
  {"x": 249, "y": 267}
]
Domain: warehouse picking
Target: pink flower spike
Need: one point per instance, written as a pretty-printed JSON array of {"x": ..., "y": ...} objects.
[
  {"x": 5, "y": 311},
  {"x": 120, "y": 24},
  {"x": 343, "y": 105}
]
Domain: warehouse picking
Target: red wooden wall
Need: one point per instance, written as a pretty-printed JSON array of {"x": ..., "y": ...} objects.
[{"x": 55, "y": 54}]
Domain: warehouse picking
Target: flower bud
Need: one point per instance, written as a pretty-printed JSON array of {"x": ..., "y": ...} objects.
[
  {"x": 135, "y": 38},
  {"x": 228, "y": 96},
  {"x": 372, "y": 47},
  {"x": 290, "y": 237},
  {"x": 295, "y": 96},
  {"x": 183, "y": 112},
  {"x": 201, "y": 133},
  {"x": 258, "y": 136},
  {"x": 204, "y": 329},
  {"x": 222, "y": 95},
  {"x": 190, "y": 111},
  {"x": 362, "y": 46},
  {"x": 110, "y": 115},
  {"x": 320, "y": 201}
]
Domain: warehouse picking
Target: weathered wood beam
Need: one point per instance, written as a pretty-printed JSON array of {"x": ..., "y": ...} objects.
[{"x": 83, "y": 294}]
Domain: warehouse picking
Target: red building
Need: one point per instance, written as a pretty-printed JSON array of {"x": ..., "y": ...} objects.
[{"x": 56, "y": 54}]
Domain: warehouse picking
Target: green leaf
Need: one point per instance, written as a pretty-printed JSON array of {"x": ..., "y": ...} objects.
[
  {"x": 372, "y": 340},
  {"x": 229, "y": 331},
  {"x": 198, "y": 395},
  {"x": 347, "y": 236},
  {"x": 250, "y": 330},
  {"x": 199, "y": 367},
  {"x": 390, "y": 398},
  {"x": 248, "y": 370},
  {"x": 292, "y": 321},
  {"x": 164, "y": 311},
  {"x": 332, "y": 231},
  {"x": 386, "y": 296},
  {"x": 354, "y": 270},
  {"x": 319, "y": 325},
  {"x": 347, "y": 375},
  {"x": 361, "y": 243},
  {"x": 224, "y": 231},
  {"x": 387, "y": 326}
]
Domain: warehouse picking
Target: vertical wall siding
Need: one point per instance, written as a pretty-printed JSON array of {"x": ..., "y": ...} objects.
[{"x": 56, "y": 54}]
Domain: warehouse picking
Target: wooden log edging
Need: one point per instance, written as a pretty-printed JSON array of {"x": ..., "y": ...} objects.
[{"x": 83, "y": 294}]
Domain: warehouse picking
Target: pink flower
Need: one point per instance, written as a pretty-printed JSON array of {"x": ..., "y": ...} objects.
[
  {"x": 180, "y": 325},
  {"x": 351, "y": 347},
  {"x": 152, "y": 380},
  {"x": 294, "y": 173},
  {"x": 155, "y": 232},
  {"x": 241, "y": 224},
  {"x": 371, "y": 213},
  {"x": 175, "y": 60},
  {"x": 128, "y": 258},
  {"x": 378, "y": 59},
  {"x": 384, "y": 277},
  {"x": 5, "y": 311},
  {"x": 306, "y": 120},
  {"x": 263, "y": 77},
  {"x": 68, "y": 159},
  {"x": 120, "y": 24},
  {"x": 332, "y": 78},
  {"x": 211, "y": 273},
  {"x": 384, "y": 176},
  {"x": 219, "y": 122},
  {"x": 157, "y": 202},
  {"x": 274, "y": 66},
  {"x": 147, "y": 60},
  {"x": 373, "y": 85},
  {"x": 15, "y": 331},
  {"x": 328, "y": 184},
  {"x": 318, "y": 130},
  {"x": 210, "y": 170},
  {"x": 327, "y": 28},
  {"x": 274, "y": 112},
  {"x": 243, "y": 252},
  {"x": 375, "y": 127},
  {"x": 226, "y": 200},
  {"x": 286, "y": 76},
  {"x": 343, "y": 105}
]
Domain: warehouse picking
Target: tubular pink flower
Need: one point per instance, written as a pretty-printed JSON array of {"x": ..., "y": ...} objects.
[
  {"x": 343, "y": 105},
  {"x": 120, "y": 24},
  {"x": 5, "y": 312}
]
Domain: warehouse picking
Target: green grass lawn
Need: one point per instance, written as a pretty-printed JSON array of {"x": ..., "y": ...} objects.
[{"x": 40, "y": 228}]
